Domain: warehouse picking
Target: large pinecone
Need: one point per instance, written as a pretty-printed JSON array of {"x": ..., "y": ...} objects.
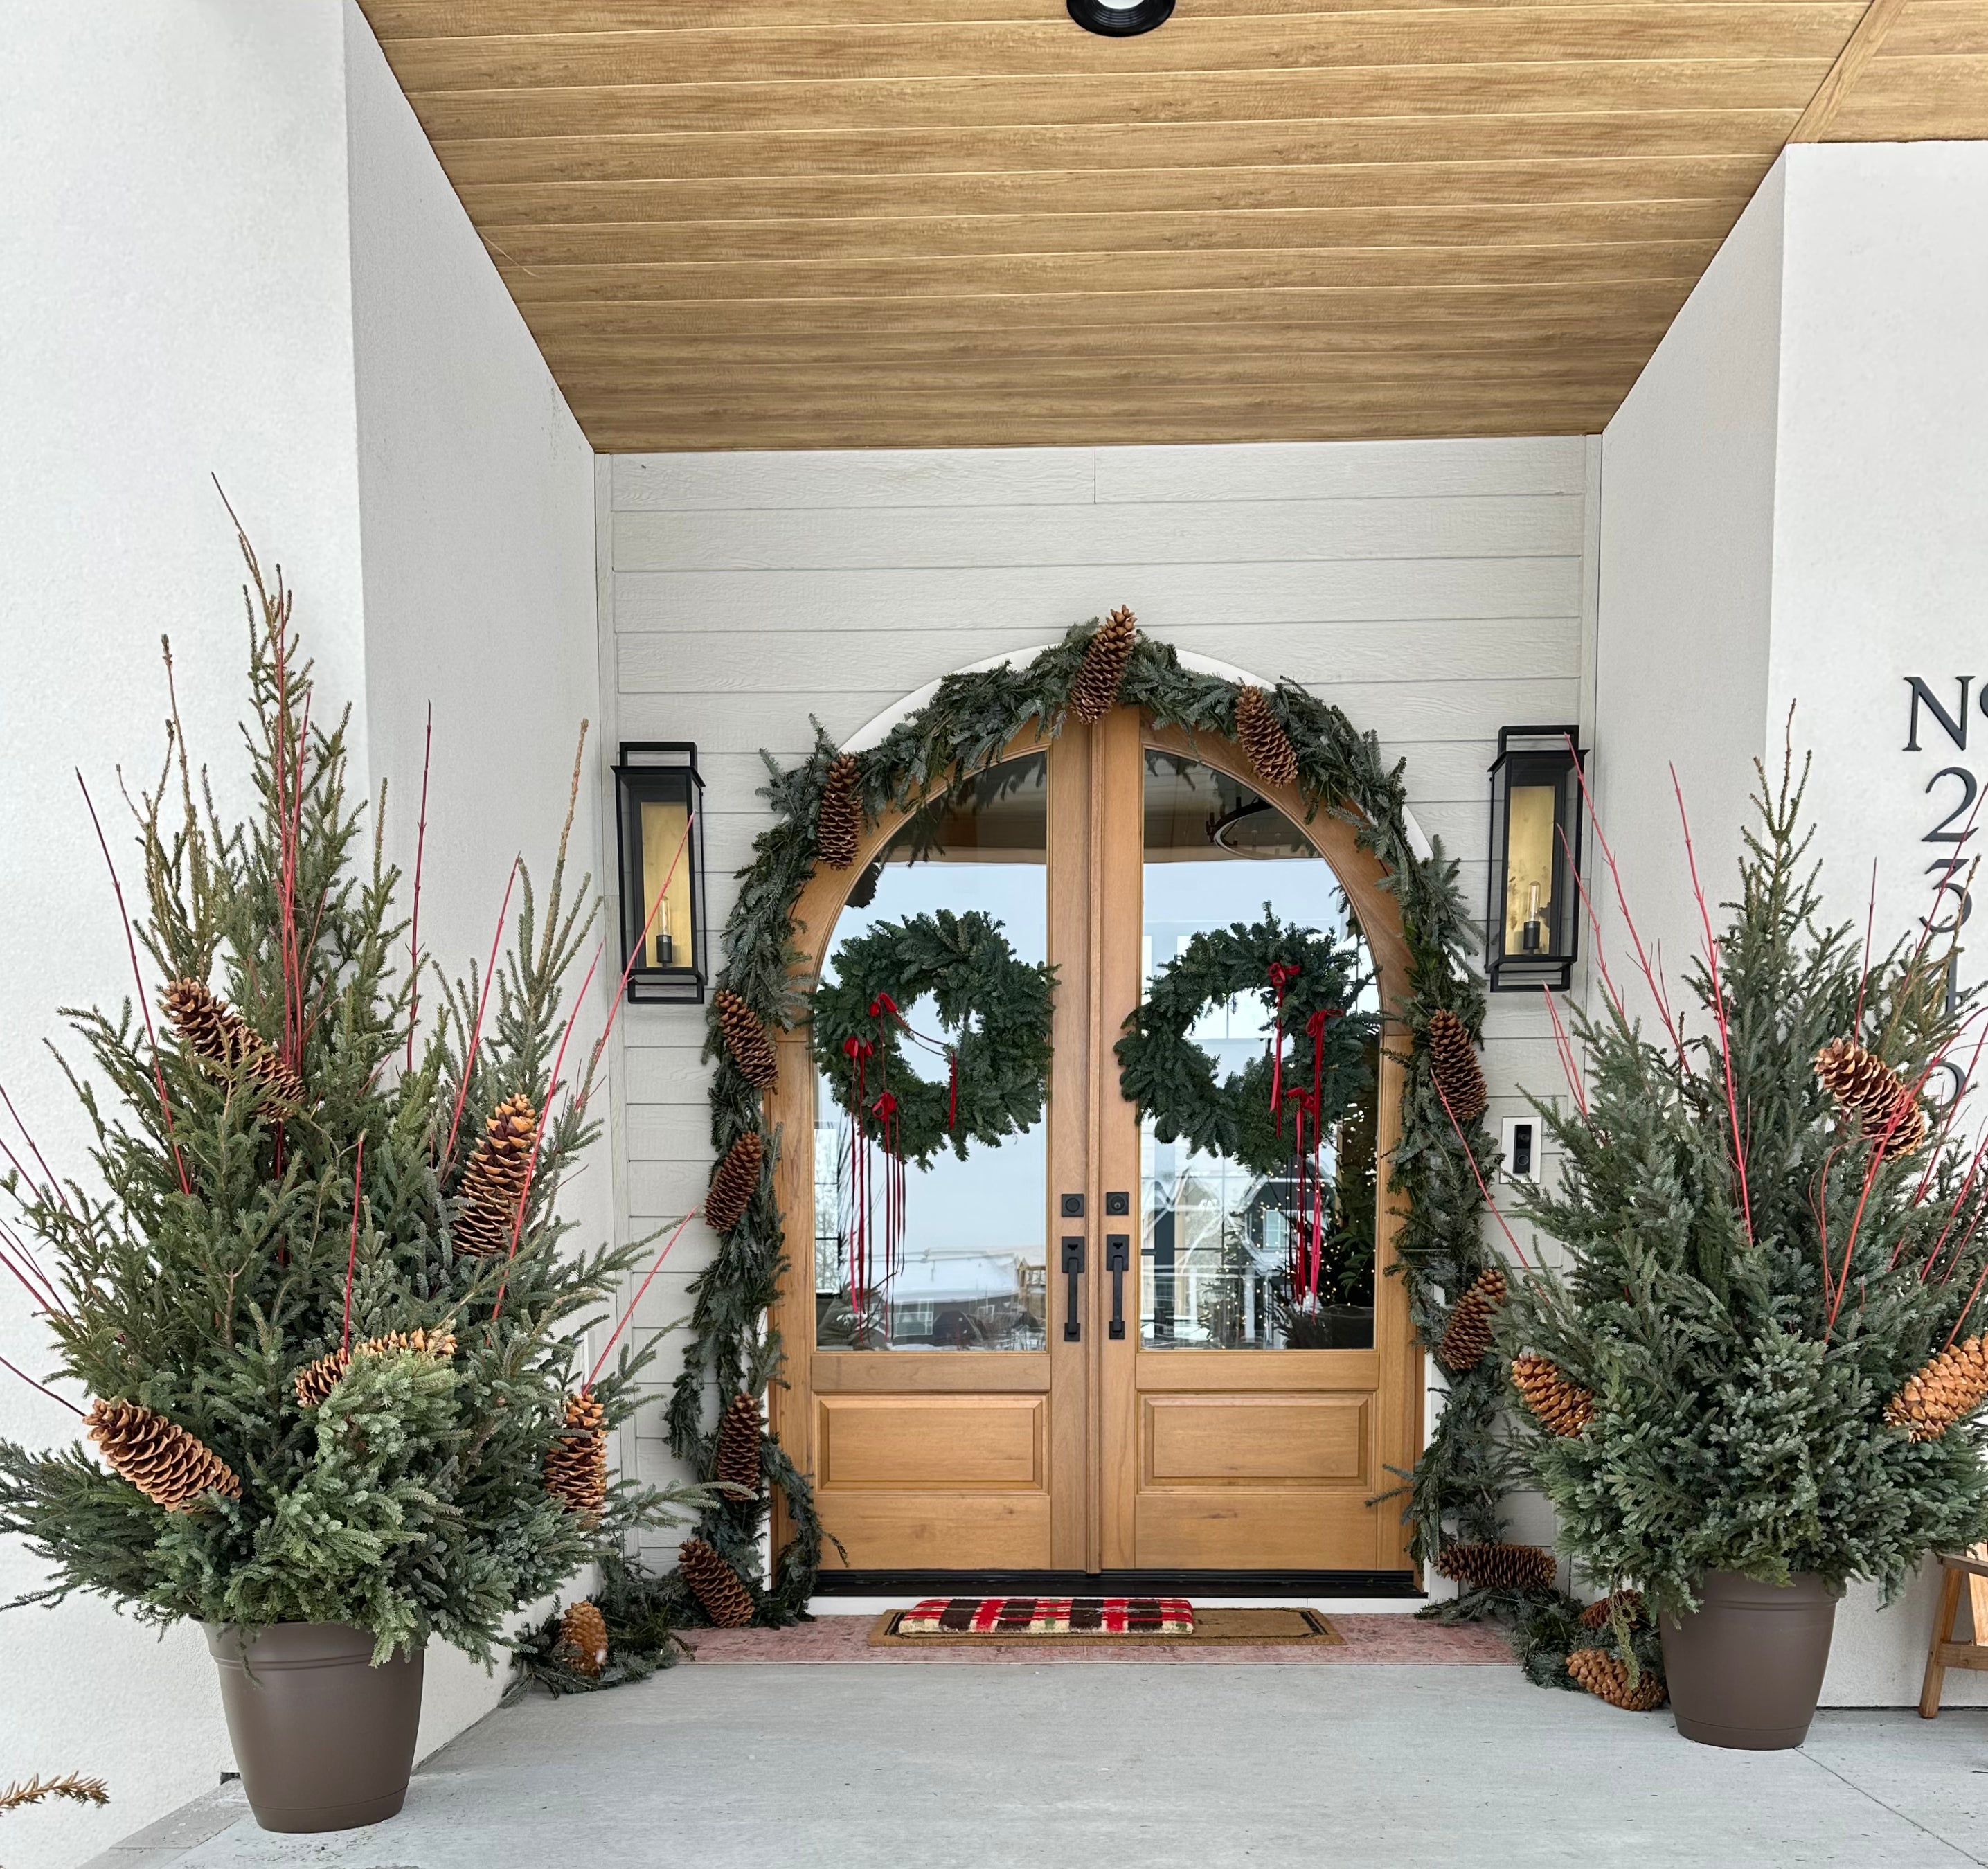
[
  {"x": 575, "y": 1468},
  {"x": 1453, "y": 1064},
  {"x": 1562, "y": 1407},
  {"x": 752, "y": 1050},
  {"x": 494, "y": 1182},
  {"x": 838, "y": 825},
  {"x": 1607, "y": 1679},
  {"x": 1947, "y": 1390},
  {"x": 734, "y": 1183},
  {"x": 1498, "y": 1566},
  {"x": 738, "y": 1443},
  {"x": 222, "y": 1040},
  {"x": 1867, "y": 1088},
  {"x": 583, "y": 1639},
  {"x": 172, "y": 1467},
  {"x": 1094, "y": 693},
  {"x": 1597, "y": 1615},
  {"x": 316, "y": 1380},
  {"x": 715, "y": 1584},
  {"x": 1468, "y": 1336},
  {"x": 1271, "y": 755}
]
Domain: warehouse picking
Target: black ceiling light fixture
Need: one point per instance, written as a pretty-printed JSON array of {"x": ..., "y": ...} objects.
[{"x": 1120, "y": 21}]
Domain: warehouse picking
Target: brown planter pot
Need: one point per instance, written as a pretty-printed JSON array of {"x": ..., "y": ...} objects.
[
  {"x": 1745, "y": 1670},
  {"x": 324, "y": 1740}
]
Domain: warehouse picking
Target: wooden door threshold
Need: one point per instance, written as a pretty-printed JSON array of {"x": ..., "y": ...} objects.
[{"x": 1376, "y": 1583}]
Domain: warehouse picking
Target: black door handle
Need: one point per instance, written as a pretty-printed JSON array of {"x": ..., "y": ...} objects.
[
  {"x": 1118, "y": 1262},
  {"x": 1072, "y": 1270}
]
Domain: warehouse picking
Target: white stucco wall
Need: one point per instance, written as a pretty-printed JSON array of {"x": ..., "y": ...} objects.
[
  {"x": 189, "y": 292},
  {"x": 1795, "y": 513},
  {"x": 476, "y": 528}
]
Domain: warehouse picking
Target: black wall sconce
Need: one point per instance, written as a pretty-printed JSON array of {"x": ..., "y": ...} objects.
[
  {"x": 1135, "y": 16},
  {"x": 1532, "y": 927},
  {"x": 659, "y": 828}
]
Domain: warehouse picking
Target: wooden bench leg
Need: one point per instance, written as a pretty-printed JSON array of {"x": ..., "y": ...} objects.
[{"x": 1943, "y": 1632}]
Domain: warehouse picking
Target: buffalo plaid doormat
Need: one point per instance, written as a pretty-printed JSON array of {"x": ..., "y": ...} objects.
[{"x": 1048, "y": 1616}]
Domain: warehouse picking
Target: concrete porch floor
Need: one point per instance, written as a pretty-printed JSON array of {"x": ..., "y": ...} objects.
[{"x": 1132, "y": 1767}]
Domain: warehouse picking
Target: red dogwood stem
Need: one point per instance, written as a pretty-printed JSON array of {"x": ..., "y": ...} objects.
[
  {"x": 476, "y": 1030},
  {"x": 351, "y": 1251},
  {"x": 1724, "y": 1031},
  {"x": 138, "y": 979},
  {"x": 414, "y": 926},
  {"x": 629, "y": 1312}
]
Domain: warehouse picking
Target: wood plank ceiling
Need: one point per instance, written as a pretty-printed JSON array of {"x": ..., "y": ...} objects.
[{"x": 934, "y": 223}]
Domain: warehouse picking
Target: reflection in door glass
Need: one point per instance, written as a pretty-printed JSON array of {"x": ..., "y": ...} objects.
[
  {"x": 1219, "y": 1237},
  {"x": 970, "y": 1273}
]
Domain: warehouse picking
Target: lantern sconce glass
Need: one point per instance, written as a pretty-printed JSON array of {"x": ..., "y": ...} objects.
[
  {"x": 1531, "y": 926},
  {"x": 659, "y": 831}
]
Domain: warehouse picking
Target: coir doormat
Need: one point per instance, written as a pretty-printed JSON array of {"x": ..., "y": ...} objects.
[{"x": 1115, "y": 1622}]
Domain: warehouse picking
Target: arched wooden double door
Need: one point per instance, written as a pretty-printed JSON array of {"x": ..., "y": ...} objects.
[{"x": 1091, "y": 1359}]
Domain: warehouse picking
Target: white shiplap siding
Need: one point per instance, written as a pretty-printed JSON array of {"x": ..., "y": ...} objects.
[{"x": 1435, "y": 591}]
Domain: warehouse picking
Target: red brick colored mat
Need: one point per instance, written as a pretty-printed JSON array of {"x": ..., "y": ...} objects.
[
  {"x": 1037, "y": 1616},
  {"x": 1372, "y": 1641}
]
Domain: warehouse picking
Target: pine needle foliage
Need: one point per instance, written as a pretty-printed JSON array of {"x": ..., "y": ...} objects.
[
  {"x": 1742, "y": 1310},
  {"x": 639, "y": 1608},
  {"x": 203, "y": 1266},
  {"x": 942, "y": 751}
]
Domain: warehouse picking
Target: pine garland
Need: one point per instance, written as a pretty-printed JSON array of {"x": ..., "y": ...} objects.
[{"x": 1455, "y": 1488}]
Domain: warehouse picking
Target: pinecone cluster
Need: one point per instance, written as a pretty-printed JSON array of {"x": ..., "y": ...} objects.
[
  {"x": 1946, "y": 1390},
  {"x": 1607, "y": 1679},
  {"x": 315, "y": 1380},
  {"x": 1271, "y": 755},
  {"x": 1498, "y": 1566},
  {"x": 494, "y": 1182},
  {"x": 1866, "y": 1087},
  {"x": 173, "y": 1468},
  {"x": 752, "y": 1050},
  {"x": 838, "y": 824},
  {"x": 575, "y": 1468},
  {"x": 1453, "y": 1064},
  {"x": 714, "y": 1584},
  {"x": 738, "y": 1443},
  {"x": 222, "y": 1040},
  {"x": 1597, "y": 1615},
  {"x": 583, "y": 1639},
  {"x": 1562, "y": 1406},
  {"x": 1468, "y": 1335},
  {"x": 734, "y": 1183},
  {"x": 1094, "y": 693}
]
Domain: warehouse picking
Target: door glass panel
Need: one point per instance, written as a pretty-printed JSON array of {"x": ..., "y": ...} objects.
[
  {"x": 970, "y": 1274},
  {"x": 1219, "y": 1238}
]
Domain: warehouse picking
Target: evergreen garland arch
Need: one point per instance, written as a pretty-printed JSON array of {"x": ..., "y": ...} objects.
[{"x": 1454, "y": 1492}]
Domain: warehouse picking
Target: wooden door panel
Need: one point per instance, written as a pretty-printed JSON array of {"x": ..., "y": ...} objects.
[
  {"x": 1234, "y": 1440},
  {"x": 918, "y": 1442},
  {"x": 939, "y": 1531},
  {"x": 1284, "y": 1528}
]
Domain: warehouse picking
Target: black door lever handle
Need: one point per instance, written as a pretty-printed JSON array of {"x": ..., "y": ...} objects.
[
  {"x": 1072, "y": 1270},
  {"x": 1117, "y": 1262}
]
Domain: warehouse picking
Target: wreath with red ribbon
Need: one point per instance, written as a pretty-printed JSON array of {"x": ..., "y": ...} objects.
[
  {"x": 1315, "y": 1065},
  {"x": 994, "y": 1017},
  {"x": 1274, "y": 1114}
]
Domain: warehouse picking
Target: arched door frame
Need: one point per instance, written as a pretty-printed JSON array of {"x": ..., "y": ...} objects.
[{"x": 791, "y": 1111}]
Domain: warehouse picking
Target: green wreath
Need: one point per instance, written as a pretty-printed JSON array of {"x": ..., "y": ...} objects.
[
  {"x": 1172, "y": 1079},
  {"x": 995, "y": 1010}
]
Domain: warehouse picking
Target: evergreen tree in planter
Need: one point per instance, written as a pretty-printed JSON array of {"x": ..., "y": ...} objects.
[
  {"x": 1765, "y": 1245},
  {"x": 318, "y": 1289}
]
